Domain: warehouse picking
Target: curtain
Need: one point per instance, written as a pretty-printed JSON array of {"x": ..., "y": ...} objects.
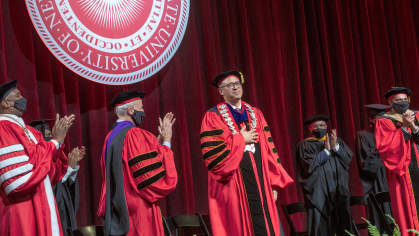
[{"x": 298, "y": 57}]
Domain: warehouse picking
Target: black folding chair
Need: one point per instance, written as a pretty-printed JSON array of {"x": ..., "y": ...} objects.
[
  {"x": 192, "y": 224},
  {"x": 94, "y": 230},
  {"x": 205, "y": 219},
  {"x": 290, "y": 209},
  {"x": 359, "y": 201},
  {"x": 377, "y": 200}
]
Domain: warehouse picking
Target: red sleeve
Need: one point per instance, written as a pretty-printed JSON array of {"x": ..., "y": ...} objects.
[
  {"x": 152, "y": 172},
  {"x": 60, "y": 162},
  {"x": 222, "y": 151},
  {"x": 278, "y": 176},
  {"x": 23, "y": 164},
  {"x": 394, "y": 150}
]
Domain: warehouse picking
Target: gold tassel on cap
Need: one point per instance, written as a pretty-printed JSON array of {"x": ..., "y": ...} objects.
[{"x": 241, "y": 77}]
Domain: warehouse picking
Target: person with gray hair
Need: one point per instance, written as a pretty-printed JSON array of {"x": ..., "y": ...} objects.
[{"x": 138, "y": 169}]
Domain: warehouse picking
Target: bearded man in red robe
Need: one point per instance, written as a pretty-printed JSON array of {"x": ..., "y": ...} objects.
[
  {"x": 397, "y": 139},
  {"x": 244, "y": 169}
]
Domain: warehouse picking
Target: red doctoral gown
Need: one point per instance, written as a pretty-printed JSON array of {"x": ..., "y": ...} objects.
[
  {"x": 149, "y": 174},
  {"x": 240, "y": 182},
  {"x": 398, "y": 151},
  {"x": 27, "y": 171}
]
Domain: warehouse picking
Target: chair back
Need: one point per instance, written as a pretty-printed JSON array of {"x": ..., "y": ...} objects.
[
  {"x": 358, "y": 201},
  {"x": 94, "y": 230},
  {"x": 205, "y": 220},
  {"x": 382, "y": 197},
  {"x": 193, "y": 224},
  {"x": 377, "y": 200},
  {"x": 296, "y": 207}
]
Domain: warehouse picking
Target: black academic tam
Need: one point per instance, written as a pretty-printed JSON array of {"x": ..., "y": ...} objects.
[
  {"x": 125, "y": 97},
  {"x": 226, "y": 74},
  {"x": 7, "y": 88},
  {"x": 397, "y": 90},
  {"x": 315, "y": 118}
]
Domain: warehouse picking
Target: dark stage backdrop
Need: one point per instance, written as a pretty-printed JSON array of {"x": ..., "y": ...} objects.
[{"x": 299, "y": 58}]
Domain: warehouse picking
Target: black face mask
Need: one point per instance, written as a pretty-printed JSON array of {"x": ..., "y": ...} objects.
[
  {"x": 48, "y": 139},
  {"x": 319, "y": 133},
  {"x": 137, "y": 117},
  {"x": 20, "y": 104},
  {"x": 401, "y": 107}
]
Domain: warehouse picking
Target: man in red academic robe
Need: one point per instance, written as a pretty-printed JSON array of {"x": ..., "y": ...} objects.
[
  {"x": 245, "y": 171},
  {"x": 28, "y": 167},
  {"x": 137, "y": 170},
  {"x": 397, "y": 138}
]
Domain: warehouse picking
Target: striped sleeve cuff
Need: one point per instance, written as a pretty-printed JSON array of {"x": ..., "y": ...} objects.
[{"x": 57, "y": 145}]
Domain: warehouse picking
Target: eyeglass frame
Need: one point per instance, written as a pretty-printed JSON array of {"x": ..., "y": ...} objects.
[
  {"x": 319, "y": 126},
  {"x": 237, "y": 84}
]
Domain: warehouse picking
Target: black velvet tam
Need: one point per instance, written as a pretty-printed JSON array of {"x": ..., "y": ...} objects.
[
  {"x": 7, "y": 88},
  {"x": 397, "y": 90},
  {"x": 126, "y": 97},
  {"x": 377, "y": 109},
  {"x": 315, "y": 118},
  {"x": 224, "y": 75},
  {"x": 41, "y": 124}
]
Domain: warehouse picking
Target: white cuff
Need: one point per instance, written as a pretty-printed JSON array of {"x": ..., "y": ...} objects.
[
  {"x": 56, "y": 143},
  {"x": 336, "y": 149},
  {"x": 167, "y": 144},
  {"x": 327, "y": 151},
  {"x": 72, "y": 173}
]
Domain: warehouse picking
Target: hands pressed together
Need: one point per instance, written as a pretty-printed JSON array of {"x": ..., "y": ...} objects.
[
  {"x": 409, "y": 121},
  {"x": 60, "y": 129},
  {"x": 165, "y": 128},
  {"x": 76, "y": 156},
  {"x": 333, "y": 142}
]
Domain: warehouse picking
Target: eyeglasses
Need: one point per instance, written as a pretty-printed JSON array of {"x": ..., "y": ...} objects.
[
  {"x": 319, "y": 126},
  {"x": 231, "y": 85}
]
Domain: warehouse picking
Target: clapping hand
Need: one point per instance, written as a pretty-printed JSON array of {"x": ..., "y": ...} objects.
[
  {"x": 409, "y": 121},
  {"x": 82, "y": 153},
  {"x": 334, "y": 140},
  {"x": 60, "y": 129},
  {"x": 73, "y": 157},
  {"x": 165, "y": 128}
]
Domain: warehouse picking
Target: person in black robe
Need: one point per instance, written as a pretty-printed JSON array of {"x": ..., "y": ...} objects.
[
  {"x": 371, "y": 169},
  {"x": 66, "y": 191},
  {"x": 323, "y": 162}
]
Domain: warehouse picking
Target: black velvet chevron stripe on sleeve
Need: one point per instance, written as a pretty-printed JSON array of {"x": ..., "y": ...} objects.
[
  {"x": 146, "y": 169},
  {"x": 212, "y": 143},
  {"x": 214, "y": 151},
  {"x": 218, "y": 160},
  {"x": 211, "y": 133},
  {"x": 153, "y": 179},
  {"x": 142, "y": 157}
]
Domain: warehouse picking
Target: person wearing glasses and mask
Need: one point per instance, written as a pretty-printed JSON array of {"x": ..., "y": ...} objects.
[
  {"x": 323, "y": 162},
  {"x": 66, "y": 191},
  {"x": 138, "y": 169},
  {"x": 244, "y": 168},
  {"x": 29, "y": 167},
  {"x": 397, "y": 139}
]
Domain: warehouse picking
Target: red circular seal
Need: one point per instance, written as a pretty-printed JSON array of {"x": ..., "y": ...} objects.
[{"x": 111, "y": 41}]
